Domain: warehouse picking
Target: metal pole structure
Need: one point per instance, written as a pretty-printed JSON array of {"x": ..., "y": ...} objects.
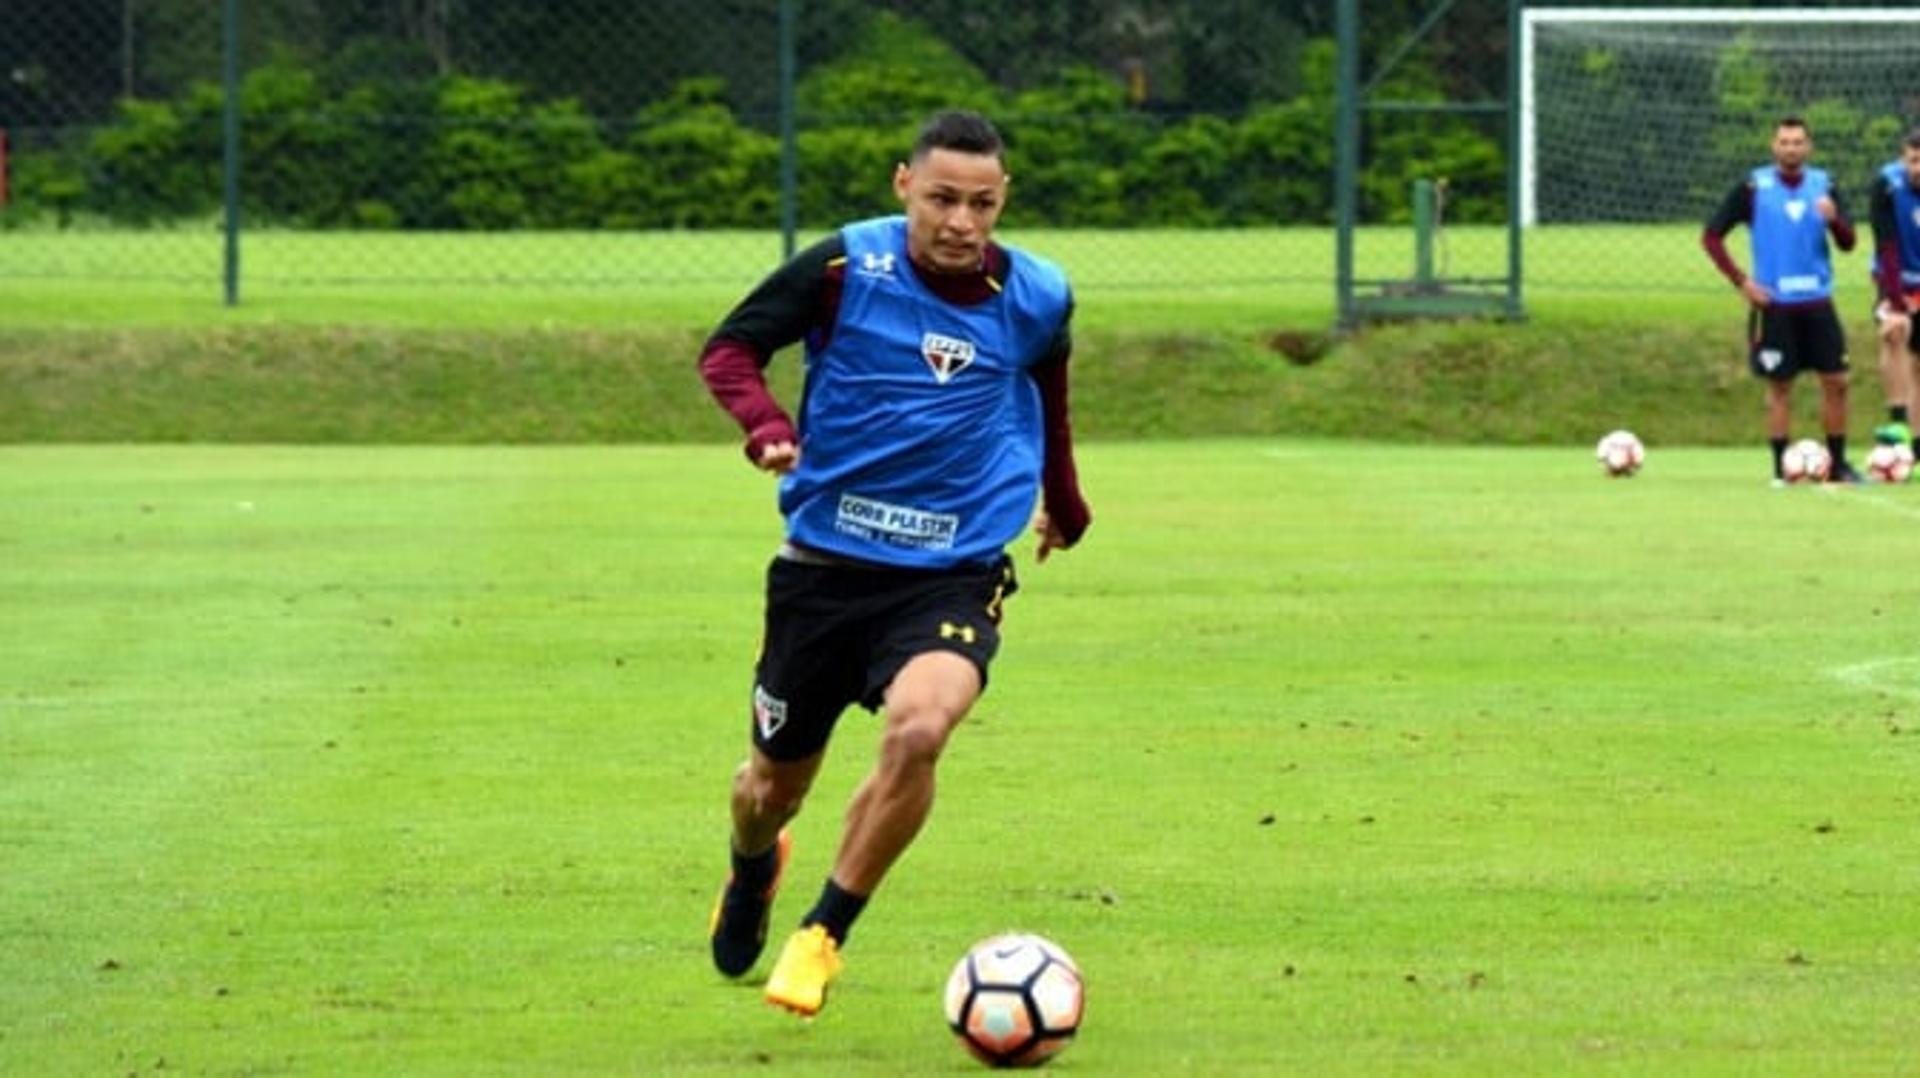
[
  {"x": 1515, "y": 312},
  {"x": 1346, "y": 155},
  {"x": 126, "y": 48},
  {"x": 230, "y": 137},
  {"x": 1423, "y": 234},
  {"x": 789, "y": 144}
]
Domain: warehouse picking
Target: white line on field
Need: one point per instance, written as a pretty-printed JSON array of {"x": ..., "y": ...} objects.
[
  {"x": 1835, "y": 490},
  {"x": 1882, "y": 675}
]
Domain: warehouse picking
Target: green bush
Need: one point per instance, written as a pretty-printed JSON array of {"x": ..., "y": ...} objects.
[
  {"x": 1069, "y": 145},
  {"x": 335, "y": 147},
  {"x": 158, "y": 161},
  {"x": 697, "y": 167}
]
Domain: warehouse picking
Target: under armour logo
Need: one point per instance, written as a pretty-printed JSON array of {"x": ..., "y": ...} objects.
[
  {"x": 877, "y": 265},
  {"x": 950, "y": 631}
]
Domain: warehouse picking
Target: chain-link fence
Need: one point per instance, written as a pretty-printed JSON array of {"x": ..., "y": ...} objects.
[
  {"x": 1155, "y": 144},
  {"x": 638, "y": 145}
]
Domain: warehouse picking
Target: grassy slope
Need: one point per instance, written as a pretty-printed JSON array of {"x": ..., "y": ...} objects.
[
  {"x": 572, "y": 338},
  {"x": 1549, "y": 381},
  {"x": 549, "y": 338},
  {"x": 1463, "y": 760}
]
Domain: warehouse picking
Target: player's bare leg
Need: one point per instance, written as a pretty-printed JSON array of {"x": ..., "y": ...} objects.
[
  {"x": 1779, "y": 408},
  {"x": 766, "y": 794},
  {"x": 1898, "y": 369},
  {"x": 927, "y": 699},
  {"x": 1895, "y": 360},
  {"x": 1913, "y": 402},
  {"x": 1779, "y": 419},
  {"x": 1833, "y": 416}
]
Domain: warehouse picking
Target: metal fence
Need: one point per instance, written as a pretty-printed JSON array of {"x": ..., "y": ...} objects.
[
  {"x": 603, "y": 144},
  {"x": 611, "y": 144}
]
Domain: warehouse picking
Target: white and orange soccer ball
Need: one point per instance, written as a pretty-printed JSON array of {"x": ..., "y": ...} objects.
[
  {"x": 1620, "y": 454},
  {"x": 1015, "y": 1000},
  {"x": 1806, "y": 461},
  {"x": 1890, "y": 463}
]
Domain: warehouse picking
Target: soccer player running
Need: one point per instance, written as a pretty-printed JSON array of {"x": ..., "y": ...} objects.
[
  {"x": 1789, "y": 209},
  {"x": 934, "y": 411},
  {"x": 1894, "y": 210}
]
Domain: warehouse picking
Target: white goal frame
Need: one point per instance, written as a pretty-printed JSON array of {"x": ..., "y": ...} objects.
[{"x": 1530, "y": 18}]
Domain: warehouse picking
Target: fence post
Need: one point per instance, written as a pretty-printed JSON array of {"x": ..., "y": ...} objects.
[
  {"x": 230, "y": 139},
  {"x": 1346, "y": 156},
  {"x": 789, "y": 149},
  {"x": 1515, "y": 249}
]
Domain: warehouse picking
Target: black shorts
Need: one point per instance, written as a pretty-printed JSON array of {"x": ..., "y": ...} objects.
[
  {"x": 837, "y": 634},
  {"x": 1783, "y": 341}
]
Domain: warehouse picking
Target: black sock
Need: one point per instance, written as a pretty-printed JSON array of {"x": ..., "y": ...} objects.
[
  {"x": 1837, "y": 449},
  {"x": 1779, "y": 447},
  {"x": 1898, "y": 412},
  {"x": 835, "y": 911},
  {"x": 754, "y": 871}
]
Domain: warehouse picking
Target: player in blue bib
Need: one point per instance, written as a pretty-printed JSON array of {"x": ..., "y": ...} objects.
[
  {"x": 1894, "y": 210},
  {"x": 1789, "y": 210},
  {"x": 933, "y": 419}
]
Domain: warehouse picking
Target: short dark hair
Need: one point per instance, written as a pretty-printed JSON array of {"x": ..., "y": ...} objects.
[
  {"x": 1792, "y": 119},
  {"x": 960, "y": 130},
  {"x": 1912, "y": 141}
]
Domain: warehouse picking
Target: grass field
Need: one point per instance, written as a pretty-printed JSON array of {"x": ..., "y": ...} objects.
[
  {"x": 1323, "y": 758},
  {"x": 1149, "y": 279}
]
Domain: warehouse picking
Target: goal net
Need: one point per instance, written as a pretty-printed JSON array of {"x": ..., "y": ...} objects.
[{"x": 1648, "y": 115}]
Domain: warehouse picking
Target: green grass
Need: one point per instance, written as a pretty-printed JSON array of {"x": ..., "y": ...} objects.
[
  {"x": 1321, "y": 757},
  {"x": 567, "y": 338},
  {"x": 1535, "y": 383},
  {"x": 1150, "y": 279}
]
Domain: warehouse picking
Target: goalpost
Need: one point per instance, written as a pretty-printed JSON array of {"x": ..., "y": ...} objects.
[{"x": 1647, "y": 115}]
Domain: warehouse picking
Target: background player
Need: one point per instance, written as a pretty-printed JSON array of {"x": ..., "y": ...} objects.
[
  {"x": 1894, "y": 210},
  {"x": 1789, "y": 210}
]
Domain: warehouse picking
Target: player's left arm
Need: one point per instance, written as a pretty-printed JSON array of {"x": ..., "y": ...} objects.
[
  {"x": 1833, "y": 207},
  {"x": 1884, "y": 218},
  {"x": 1064, "y": 516}
]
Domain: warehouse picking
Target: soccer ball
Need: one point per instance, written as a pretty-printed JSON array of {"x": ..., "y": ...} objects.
[
  {"x": 1805, "y": 461},
  {"x": 1015, "y": 1000},
  {"x": 1620, "y": 454},
  {"x": 1890, "y": 463}
]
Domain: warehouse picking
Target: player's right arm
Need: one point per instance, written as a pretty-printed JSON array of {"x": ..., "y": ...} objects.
[
  {"x": 793, "y": 302},
  {"x": 1886, "y": 249},
  {"x": 1735, "y": 209}
]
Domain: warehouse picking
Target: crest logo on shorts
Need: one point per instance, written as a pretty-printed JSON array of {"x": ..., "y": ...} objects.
[
  {"x": 947, "y": 356},
  {"x": 769, "y": 713},
  {"x": 1770, "y": 358}
]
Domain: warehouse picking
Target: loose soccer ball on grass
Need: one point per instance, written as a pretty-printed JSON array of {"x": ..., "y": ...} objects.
[
  {"x": 1806, "y": 461},
  {"x": 1890, "y": 463},
  {"x": 1620, "y": 454},
  {"x": 1015, "y": 1000}
]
